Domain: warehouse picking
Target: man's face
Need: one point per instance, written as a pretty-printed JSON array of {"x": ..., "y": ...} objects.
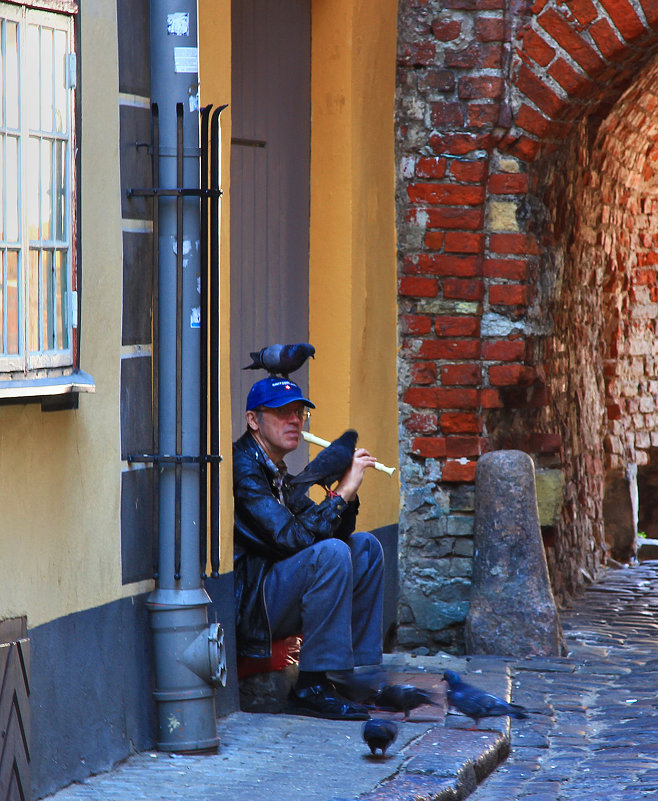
[{"x": 278, "y": 430}]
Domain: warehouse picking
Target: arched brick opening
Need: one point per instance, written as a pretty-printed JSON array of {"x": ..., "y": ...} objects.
[{"x": 528, "y": 291}]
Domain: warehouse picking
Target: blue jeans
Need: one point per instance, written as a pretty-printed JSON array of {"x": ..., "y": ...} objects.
[{"x": 331, "y": 593}]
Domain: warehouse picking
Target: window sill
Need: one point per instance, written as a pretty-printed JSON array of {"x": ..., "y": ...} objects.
[{"x": 54, "y": 392}]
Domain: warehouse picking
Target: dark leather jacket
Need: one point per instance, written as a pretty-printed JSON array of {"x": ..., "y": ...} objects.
[{"x": 268, "y": 530}]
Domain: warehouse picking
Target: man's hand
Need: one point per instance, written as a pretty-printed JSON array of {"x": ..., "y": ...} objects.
[{"x": 351, "y": 480}]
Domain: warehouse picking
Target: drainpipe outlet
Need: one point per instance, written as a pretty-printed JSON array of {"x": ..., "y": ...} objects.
[{"x": 206, "y": 656}]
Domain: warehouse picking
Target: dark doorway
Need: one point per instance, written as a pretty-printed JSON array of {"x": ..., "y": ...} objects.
[{"x": 270, "y": 184}]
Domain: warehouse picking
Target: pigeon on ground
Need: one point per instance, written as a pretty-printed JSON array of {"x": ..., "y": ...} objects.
[
  {"x": 477, "y": 704},
  {"x": 402, "y": 698},
  {"x": 360, "y": 685},
  {"x": 327, "y": 467},
  {"x": 281, "y": 359},
  {"x": 379, "y": 734}
]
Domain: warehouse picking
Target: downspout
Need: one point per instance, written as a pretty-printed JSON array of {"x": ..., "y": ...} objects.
[{"x": 189, "y": 660}]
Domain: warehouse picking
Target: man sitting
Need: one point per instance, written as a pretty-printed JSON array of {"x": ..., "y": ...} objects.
[{"x": 299, "y": 567}]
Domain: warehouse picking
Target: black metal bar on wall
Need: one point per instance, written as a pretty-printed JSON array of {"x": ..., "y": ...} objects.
[{"x": 209, "y": 330}]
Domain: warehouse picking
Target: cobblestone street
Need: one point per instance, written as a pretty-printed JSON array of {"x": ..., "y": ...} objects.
[{"x": 595, "y": 733}]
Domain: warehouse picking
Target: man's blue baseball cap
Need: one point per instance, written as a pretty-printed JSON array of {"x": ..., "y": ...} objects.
[{"x": 274, "y": 392}]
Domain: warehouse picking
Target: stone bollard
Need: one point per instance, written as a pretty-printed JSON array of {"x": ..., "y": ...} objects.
[{"x": 512, "y": 610}]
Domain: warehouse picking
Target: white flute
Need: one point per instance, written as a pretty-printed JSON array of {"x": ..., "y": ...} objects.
[{"x": 324, "y": 442}]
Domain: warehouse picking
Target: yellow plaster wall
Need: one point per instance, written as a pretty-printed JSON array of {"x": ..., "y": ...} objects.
[
  {"x": 59, "y": 482},
  {"x": 215, "y": 82},
  {"x": 353, "y": 320}
]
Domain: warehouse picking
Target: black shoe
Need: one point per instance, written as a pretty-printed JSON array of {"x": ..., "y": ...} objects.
[{"x": 322, "y": 701}]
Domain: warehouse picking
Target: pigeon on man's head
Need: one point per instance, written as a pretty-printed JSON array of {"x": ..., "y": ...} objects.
[
  {"x": 281, "y": 359},
  {"x": 379, "y": 734},
  {"x": 402, "y": 698},
  {"x": 477, "y": 704},
  {"x": 328, "y": 466}
]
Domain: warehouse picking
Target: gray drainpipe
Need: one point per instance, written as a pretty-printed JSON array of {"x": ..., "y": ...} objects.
[{"x": 188, "y": 653}]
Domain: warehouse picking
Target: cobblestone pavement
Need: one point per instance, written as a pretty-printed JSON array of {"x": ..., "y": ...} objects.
[{"x": 595, "y": 735}]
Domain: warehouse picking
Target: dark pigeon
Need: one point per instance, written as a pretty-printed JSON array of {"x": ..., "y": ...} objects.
[
  {"x": 327, "y": 467},
  {"x": 281, "y": 359},
  {"x": 477, "y": 704},
  {"x": 360, "y": 685},
  {"x": 379, "y": 734},
  {"x": 402, "y": 698}
]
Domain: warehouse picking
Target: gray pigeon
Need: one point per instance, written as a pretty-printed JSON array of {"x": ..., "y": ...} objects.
[
  {"x": 328, "y": 466},
  {"x": 477, "y": 704},
  {"x": 281, "y": 359},
  {"x": 379, "y": 734},
  {"x": 402, "y": 698}
]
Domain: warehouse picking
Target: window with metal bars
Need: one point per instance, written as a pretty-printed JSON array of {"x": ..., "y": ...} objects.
[{"x": 38, "y": 291}]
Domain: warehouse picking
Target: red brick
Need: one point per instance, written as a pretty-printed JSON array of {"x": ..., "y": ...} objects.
[
  {"x": 447, "y": 264},
  {"x": 625, "y": 19},
  {"x": 490, "y": 399},
  {"x": 513, "y": 269},
  {"x": 469, "y": 171},
  {"x": 475, "y": 56},
  {"x": 434, "y": 240},
  {"x": 650, "y": 8},
  {"x": 431, "y": 167},
  {"x": 457, "y": 398},
  {"x": 583, "y": 11},
  {"x": 418, "y": 286},
  {"x": 606, "y": 39},
  {"x": 465, "y": 446},
  {"x": 504, "y": 350},
  {"x": 460, "y": 375},
  {"x": 452, "y": 349},
  {"x": 459, "y": 144},
  {"x": 614, "y": 411},
  {"x": 436, "y": 80},
  {"x": 538, "y": 49},
  {"x": 460, "y": 423},
  {"x": 545, "y": 443},
  {"x": 455, "y": 217},
  {"x": 463, "y": 289},
  {"x": 535, "y": 89},
  {"x": 574, "y": 83},
  {"x": 512, "y": 243},
  {"x": 474, "y": 87},
  {"x": 421, "y": 54},
  {"x": 533, "y": 122},
  {"x": 490, "y": 29},
  {"x": 421, "y": 397},
  {"x": 446, "y": 30},
  {"x": 503, "y": 375},
  {"x": 447, "y": 115},
  {"x": 508, "y": 183},
  {"x": 429, "y": 447},
  {"x": 482, "y": 115},
  {"x": 508, "y": 294},
  {"x": 422, "y": 423},
  {"x": 570, "y": 40},
  {"x": 458, "y": 471},
  {"x": 416, "y": 324},
  {"x": 464, "y": 243},
  {"x": 446, "y": 194},
  {"x": 525, "y": 148},
  {"x": 457, "y": 326},
  {"x": 423, "y": 373}
]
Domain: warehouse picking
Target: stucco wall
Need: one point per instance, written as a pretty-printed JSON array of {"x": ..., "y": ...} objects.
[{"x": 60, "y": 471}]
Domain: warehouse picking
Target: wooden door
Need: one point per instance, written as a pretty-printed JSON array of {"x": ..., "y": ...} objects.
[{"x": 270, "y": 177}]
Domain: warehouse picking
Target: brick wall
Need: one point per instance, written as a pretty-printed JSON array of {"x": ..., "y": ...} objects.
[{"x": 527, "y": 286}]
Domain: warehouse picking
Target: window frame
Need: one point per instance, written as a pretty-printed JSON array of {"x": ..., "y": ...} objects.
[{"x": 35, "y": 374}]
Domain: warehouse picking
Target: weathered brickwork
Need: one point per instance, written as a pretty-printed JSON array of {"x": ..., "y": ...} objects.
[{"x": 528, "y": 292}]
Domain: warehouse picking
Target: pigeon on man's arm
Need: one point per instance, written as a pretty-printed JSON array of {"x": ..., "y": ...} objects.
[
  {"x": 477, "y": 704},
  {"x": 281, "y": 359},
  {"x": 379, "y": 734},
  {"x": 328, "y": 466}
]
